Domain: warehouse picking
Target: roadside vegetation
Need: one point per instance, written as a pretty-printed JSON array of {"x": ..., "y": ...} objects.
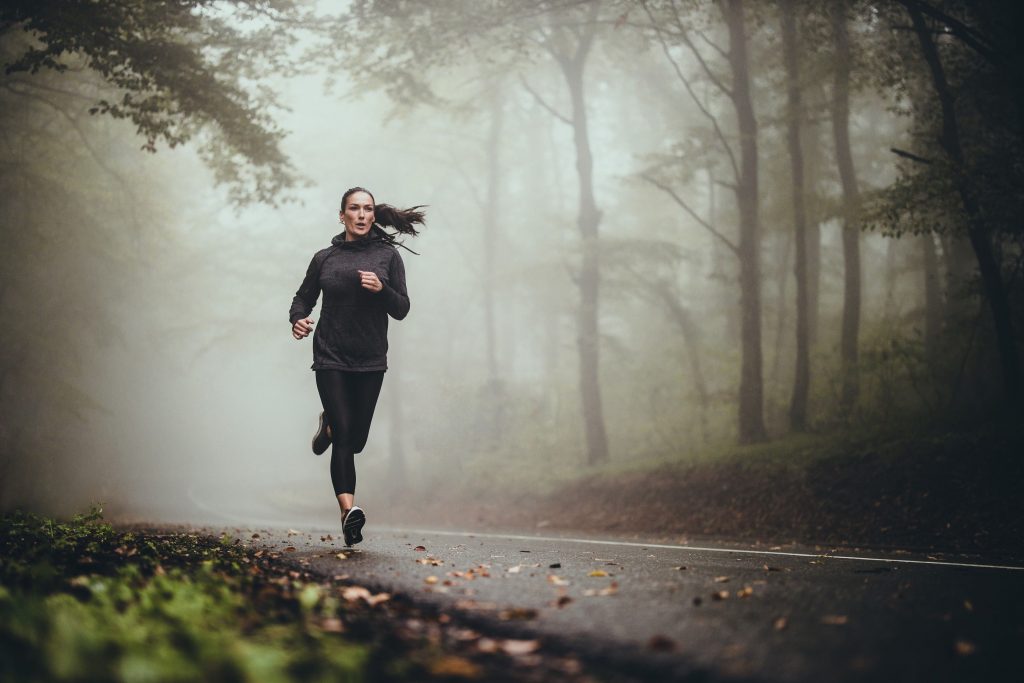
[{"x": 82, "y": 600}]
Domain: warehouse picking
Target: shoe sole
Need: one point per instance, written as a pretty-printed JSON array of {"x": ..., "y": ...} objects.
[
  {"x": 321, "y": 437},
  {"x": 353, "y": 526}
]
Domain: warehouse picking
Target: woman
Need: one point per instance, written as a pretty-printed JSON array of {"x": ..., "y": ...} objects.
[{"x": 363, "y": 280}]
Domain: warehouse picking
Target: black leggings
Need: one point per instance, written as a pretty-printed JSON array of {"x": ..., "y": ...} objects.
[{"x": 348, "y": 399}]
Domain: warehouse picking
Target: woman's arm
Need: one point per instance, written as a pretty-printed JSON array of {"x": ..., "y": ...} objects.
[
  {"x": 396, "y": 298},
  {"x": 309, "y": 291}
]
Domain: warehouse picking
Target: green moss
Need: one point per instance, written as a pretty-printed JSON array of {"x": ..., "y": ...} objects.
[{"x": 81, "y": 601}]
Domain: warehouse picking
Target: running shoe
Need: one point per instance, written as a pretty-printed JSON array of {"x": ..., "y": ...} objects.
[
  {"x": 352, "y": 525},
  {"x": 322, "y": 439}
]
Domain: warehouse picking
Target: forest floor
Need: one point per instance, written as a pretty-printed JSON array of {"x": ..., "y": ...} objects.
[{"x": 949, "y": 492}]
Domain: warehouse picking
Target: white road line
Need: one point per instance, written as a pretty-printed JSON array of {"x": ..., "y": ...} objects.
[{"x": 738, "y": 551}]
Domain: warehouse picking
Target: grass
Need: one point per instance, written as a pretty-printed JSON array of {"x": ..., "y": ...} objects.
[{"x": 81, "y": 601}]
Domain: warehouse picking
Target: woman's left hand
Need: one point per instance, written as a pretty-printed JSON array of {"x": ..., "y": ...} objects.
[{"x": 370, "y": 281}]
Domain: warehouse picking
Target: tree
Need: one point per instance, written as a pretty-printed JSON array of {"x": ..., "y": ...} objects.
[
  {"x": 966, "y": 92},
  {"x": 669, "y": 24},
  {"x": 848, "y": 345},
  {"x": 978, "y": 229},
  {"x": 794, "y": 120},
  {"x": 172, "y": 69}
]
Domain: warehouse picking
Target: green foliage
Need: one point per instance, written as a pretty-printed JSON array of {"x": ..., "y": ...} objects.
[
  {"x": 174, "y": 68},
  {"x": 80, "y": 600}
]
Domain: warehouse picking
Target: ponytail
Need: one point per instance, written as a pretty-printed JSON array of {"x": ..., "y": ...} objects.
[{"x": 402, "y": 220}]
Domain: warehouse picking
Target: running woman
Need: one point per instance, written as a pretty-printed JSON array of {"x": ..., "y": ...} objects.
[{"x": 362, "y": 278}]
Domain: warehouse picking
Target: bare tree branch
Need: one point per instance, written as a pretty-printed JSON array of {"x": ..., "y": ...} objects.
[
  {"x": 686, "y": 207},
  {"x": 910, "y": 155},
  {"x": 540, "y": 100},
  {"x": 685, "y": 37},
  {"x": 693, "y": 95},
  {"x": 714, "y": 46}
]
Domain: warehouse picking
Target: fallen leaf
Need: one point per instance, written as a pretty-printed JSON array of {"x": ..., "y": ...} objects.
[
  {"x": 660, "y": 643},
  {"x": 431, "y": 579},
  {"x": 255, "y": 536},
  {"x": 352, "y": 593},
  {"x": 341, "y": 556},
  {"x": 556, "y": 580},
  {"x": 487, "y": 645},
  {"x": 290, "y": 549},
  {"x": 332, "y": 625},
  {"x": 720, "y": 595},
  {"x": 834, "y": 619},
  {"x": 598, "y": 572},
  {"x": 780, "y": 623},
  {"x": 721, "y": 579},
  {"x": 562, "y": 601},
  {"x": 519, "y": 647},
  {"x": 680, "y": 568},
  {"x": 745, "y": 592},
  {"x": 432, "y": 561},
  {"x": 514, "y": 570},
  {"x": 419, "y": 548},
  {"x": 293, "y": 532},
  {"x": 965, "y": 648},
  {"x": 452, "y": 666},
  {"x": 374, "y": 600}
]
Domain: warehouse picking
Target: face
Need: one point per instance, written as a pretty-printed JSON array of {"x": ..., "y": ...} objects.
[{"x": 358, "y": 215}]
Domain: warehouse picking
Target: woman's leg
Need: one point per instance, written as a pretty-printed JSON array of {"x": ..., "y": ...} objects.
[
  {"x": 339, "y": 411},
  {"x": 364, "y": 389}
]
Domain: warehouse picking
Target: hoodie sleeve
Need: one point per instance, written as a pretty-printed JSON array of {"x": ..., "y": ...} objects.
[
  {"x": 309, "y": 291},
  {"x": 396, "y": 298}
]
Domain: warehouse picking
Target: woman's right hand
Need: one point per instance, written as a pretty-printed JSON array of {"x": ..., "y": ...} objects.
[{"x": 302, "y": 328}]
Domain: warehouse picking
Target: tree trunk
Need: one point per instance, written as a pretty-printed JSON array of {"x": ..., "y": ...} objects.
[
  {"x": 588, "y": 219},
  {"x": 851, "y": 209},
  {"x": 932, "y": 298},
  {"x": 491, "y": 213},
  {"x": 751, "y": 399},
  {"x": 978, "y": 230},
  {"x": 813, "y": 163},
  {"x": 794, "y": 115}
]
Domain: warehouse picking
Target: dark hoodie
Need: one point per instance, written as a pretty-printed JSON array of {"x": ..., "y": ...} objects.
[{"x": 352, "y": 333}]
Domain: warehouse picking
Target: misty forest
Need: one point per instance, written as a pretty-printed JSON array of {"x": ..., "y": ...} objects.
[{"x": 750, "y": 270}]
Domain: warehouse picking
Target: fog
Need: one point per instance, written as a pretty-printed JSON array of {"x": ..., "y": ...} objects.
[{"x": 148, "y": 360}]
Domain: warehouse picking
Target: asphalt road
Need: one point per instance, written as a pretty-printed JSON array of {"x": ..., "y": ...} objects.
[{"x": 708, "y": 613}]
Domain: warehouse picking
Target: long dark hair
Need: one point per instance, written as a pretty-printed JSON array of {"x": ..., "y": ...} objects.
[{"x": 385, "y": 215}]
